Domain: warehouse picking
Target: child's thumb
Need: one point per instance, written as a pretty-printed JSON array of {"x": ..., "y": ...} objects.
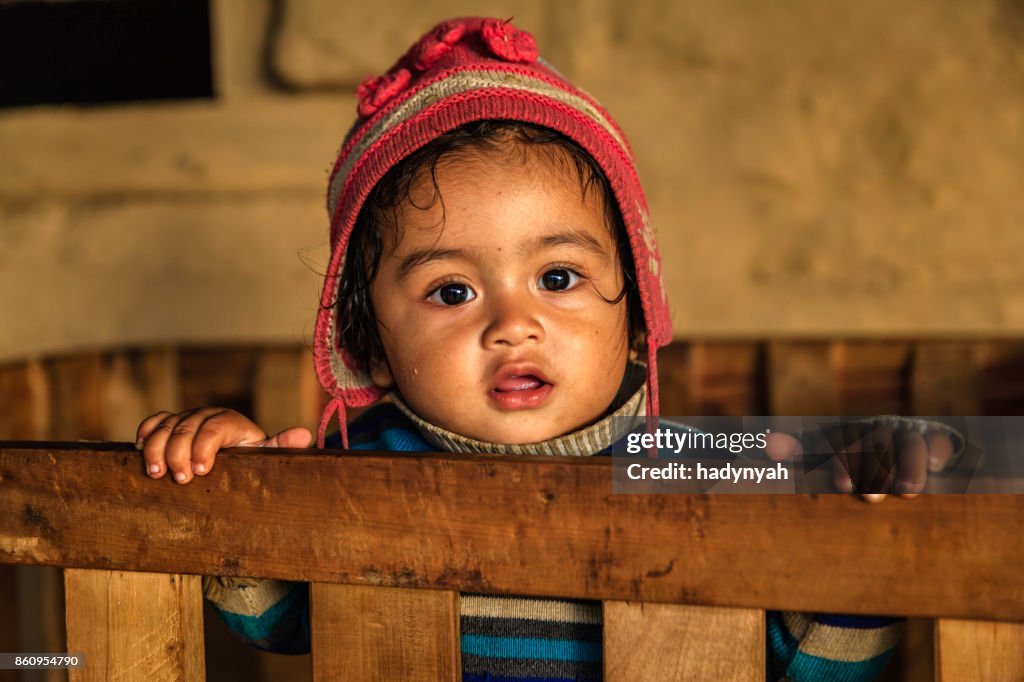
[
  {"x": 295, "y": 437},
  {"x": 782, "y": 447}
]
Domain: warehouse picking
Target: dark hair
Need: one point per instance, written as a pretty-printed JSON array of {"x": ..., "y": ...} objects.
[{"x": 357, "y": 322}]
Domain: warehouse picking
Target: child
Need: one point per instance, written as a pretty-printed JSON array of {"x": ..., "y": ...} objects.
[{"x": 494, "y": 272}]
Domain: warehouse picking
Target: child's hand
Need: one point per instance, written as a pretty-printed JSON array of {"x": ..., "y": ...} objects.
[
  {"x": 873, "y": 460},
  {"x": 187, "y": 442}
]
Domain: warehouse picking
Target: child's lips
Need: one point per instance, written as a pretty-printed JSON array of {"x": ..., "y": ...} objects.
[
  {"x": 520, "y": 388},
  {"x": 519, "y": 383}
]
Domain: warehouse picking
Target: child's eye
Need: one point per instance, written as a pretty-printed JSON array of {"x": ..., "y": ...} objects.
[
  {"x": 559, "y": 279},
  {"x": 452, "y": 294}
]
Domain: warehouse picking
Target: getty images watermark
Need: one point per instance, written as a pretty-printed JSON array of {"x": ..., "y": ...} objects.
[{"x": 728, "y": 454}]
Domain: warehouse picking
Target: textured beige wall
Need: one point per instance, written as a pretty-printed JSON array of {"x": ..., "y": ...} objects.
[{"x": 813, "y": 169}]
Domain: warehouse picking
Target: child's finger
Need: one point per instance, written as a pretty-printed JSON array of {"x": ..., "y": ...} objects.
[
  {"x": 849, "y": 453},
  {"x": 220, "y": 428},
  {"x": 147, "y": 427},
  {"x": 940, "y": 450},
  {"x": 178, "y": 451},
  {"x": 877, "y": 459},
  {"x": 782, "y": 447},
  {"x": 912, "y": 465},
  {"x": 295, "y": 437},
  {"x": 155, "y": 442},
  {"x": 841, "y": 476},
  {"x": 211, "y": 434}
]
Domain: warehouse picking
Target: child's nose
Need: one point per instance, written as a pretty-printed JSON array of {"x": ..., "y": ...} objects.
[{"x": 513, "y": 322}]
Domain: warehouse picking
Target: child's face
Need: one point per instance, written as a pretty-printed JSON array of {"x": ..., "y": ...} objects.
[{"x": 492, "y": 306}]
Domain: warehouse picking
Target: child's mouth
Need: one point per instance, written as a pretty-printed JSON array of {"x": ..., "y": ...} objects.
[{"x": 520, "y": 392}]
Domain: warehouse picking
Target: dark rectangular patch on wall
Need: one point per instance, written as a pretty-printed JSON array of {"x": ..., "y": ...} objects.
[{"x": 94, "y": 51}]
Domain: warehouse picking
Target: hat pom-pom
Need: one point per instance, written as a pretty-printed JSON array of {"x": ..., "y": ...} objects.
[
  {"x": 376, "y": 91},
  {"x": 437, "y": 43},
  {"x": 508, "y": 42}
]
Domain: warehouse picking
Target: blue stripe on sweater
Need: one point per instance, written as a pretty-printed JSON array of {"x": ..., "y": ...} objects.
[
  {"x": 783, "y": 643},
  {"x": 487, "y": 677},
  {"x": 811, "y": 668},
  {"x": 283, "y": 628},
  {"x": 530, "y": 647},
  {"x": 396, "y": 440},
  {"x": 857, "y": 622}
]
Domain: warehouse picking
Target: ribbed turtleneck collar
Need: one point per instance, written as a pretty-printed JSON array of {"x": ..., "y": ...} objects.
[{"x": 586, "y": 441}]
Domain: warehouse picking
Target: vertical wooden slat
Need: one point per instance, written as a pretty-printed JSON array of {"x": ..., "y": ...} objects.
[
  {"x": 674, "y": 380},
  {"x": 134, "y": 385},
  {"x": 77, "y": 405},
  {"x": 24, "y": 415},
  {"x": 159, "y": 370},
  {"x": 221, "y": 376},
  {"x": 135, "y": 626},
  {"x": 1001, "y": 377},
  {"x": 914, "y": 657},
  {"x": 681, "y": 642},
  {"x": 123, "y": 396},
  {"x": 944, "y": 379},
  {"x": 800, "y": 379},
  {"x": 41, "y": 608},
  {"x": 77, "y": 411},
  {"x": 384, "y": 633},
  {"x": 871, "y": 377},
  {"x": 24, "y": 401},
  {"x": 9, "y": 638},
  {"x": 726, "y": 379},
  {"x": 286, "y": 392},
  {"x": 34, "y": 606},
  {"x": 979, "y": 650}
]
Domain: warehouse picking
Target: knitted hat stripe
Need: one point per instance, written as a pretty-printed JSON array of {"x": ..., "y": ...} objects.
[{"x": 454, "y": 85}]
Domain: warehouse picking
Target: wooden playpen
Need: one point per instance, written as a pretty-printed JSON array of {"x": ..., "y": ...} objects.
[{"x": 388, "y": 541}]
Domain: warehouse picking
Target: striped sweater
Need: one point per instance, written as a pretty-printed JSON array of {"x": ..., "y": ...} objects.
[{"x": 525, "y": 639}]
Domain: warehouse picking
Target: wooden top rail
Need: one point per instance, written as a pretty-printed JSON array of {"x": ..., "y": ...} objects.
[{"x": 520, "y": 525}]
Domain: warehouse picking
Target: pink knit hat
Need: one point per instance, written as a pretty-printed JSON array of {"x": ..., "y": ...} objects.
[{"x": 467, "y": 70}]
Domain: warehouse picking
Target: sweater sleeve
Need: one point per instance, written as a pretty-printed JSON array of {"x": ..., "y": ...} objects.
[
  {"x": 272, "y": 615},
  {"x": 843, "y": 648},
  {"x": 807, "y": 647}
]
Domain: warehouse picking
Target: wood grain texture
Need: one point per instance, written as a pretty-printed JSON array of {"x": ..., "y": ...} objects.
[
  {"x": 286, "y": 392},
  {"x": 135, "y": 626},
  {"x": 914, "y": 657},
  {"x": 674, "y": 380},
  {"x": 222, "y": 376},
  {"x": 24, "y": 401},
  {"x": 365, "y": 634},
  {"x": 978, "y": 650},
  {"x": 519, "y": 525},
  {"x": 24, "y": 413},
  {"x": 944, "y": 379},
  {"x": 42, "y": 615},
  {"x": 727, "y": 378},
  {"x": 135, "y": 385},
  {"x": 871, "y": 377},
  {"x": 77, "y": 385},
  {"x": 10, "y": 640},
  {"x": 679, "y": 642},
  {"x": 1001, "y": 377},
  {"x": 800, "y": 379}
]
